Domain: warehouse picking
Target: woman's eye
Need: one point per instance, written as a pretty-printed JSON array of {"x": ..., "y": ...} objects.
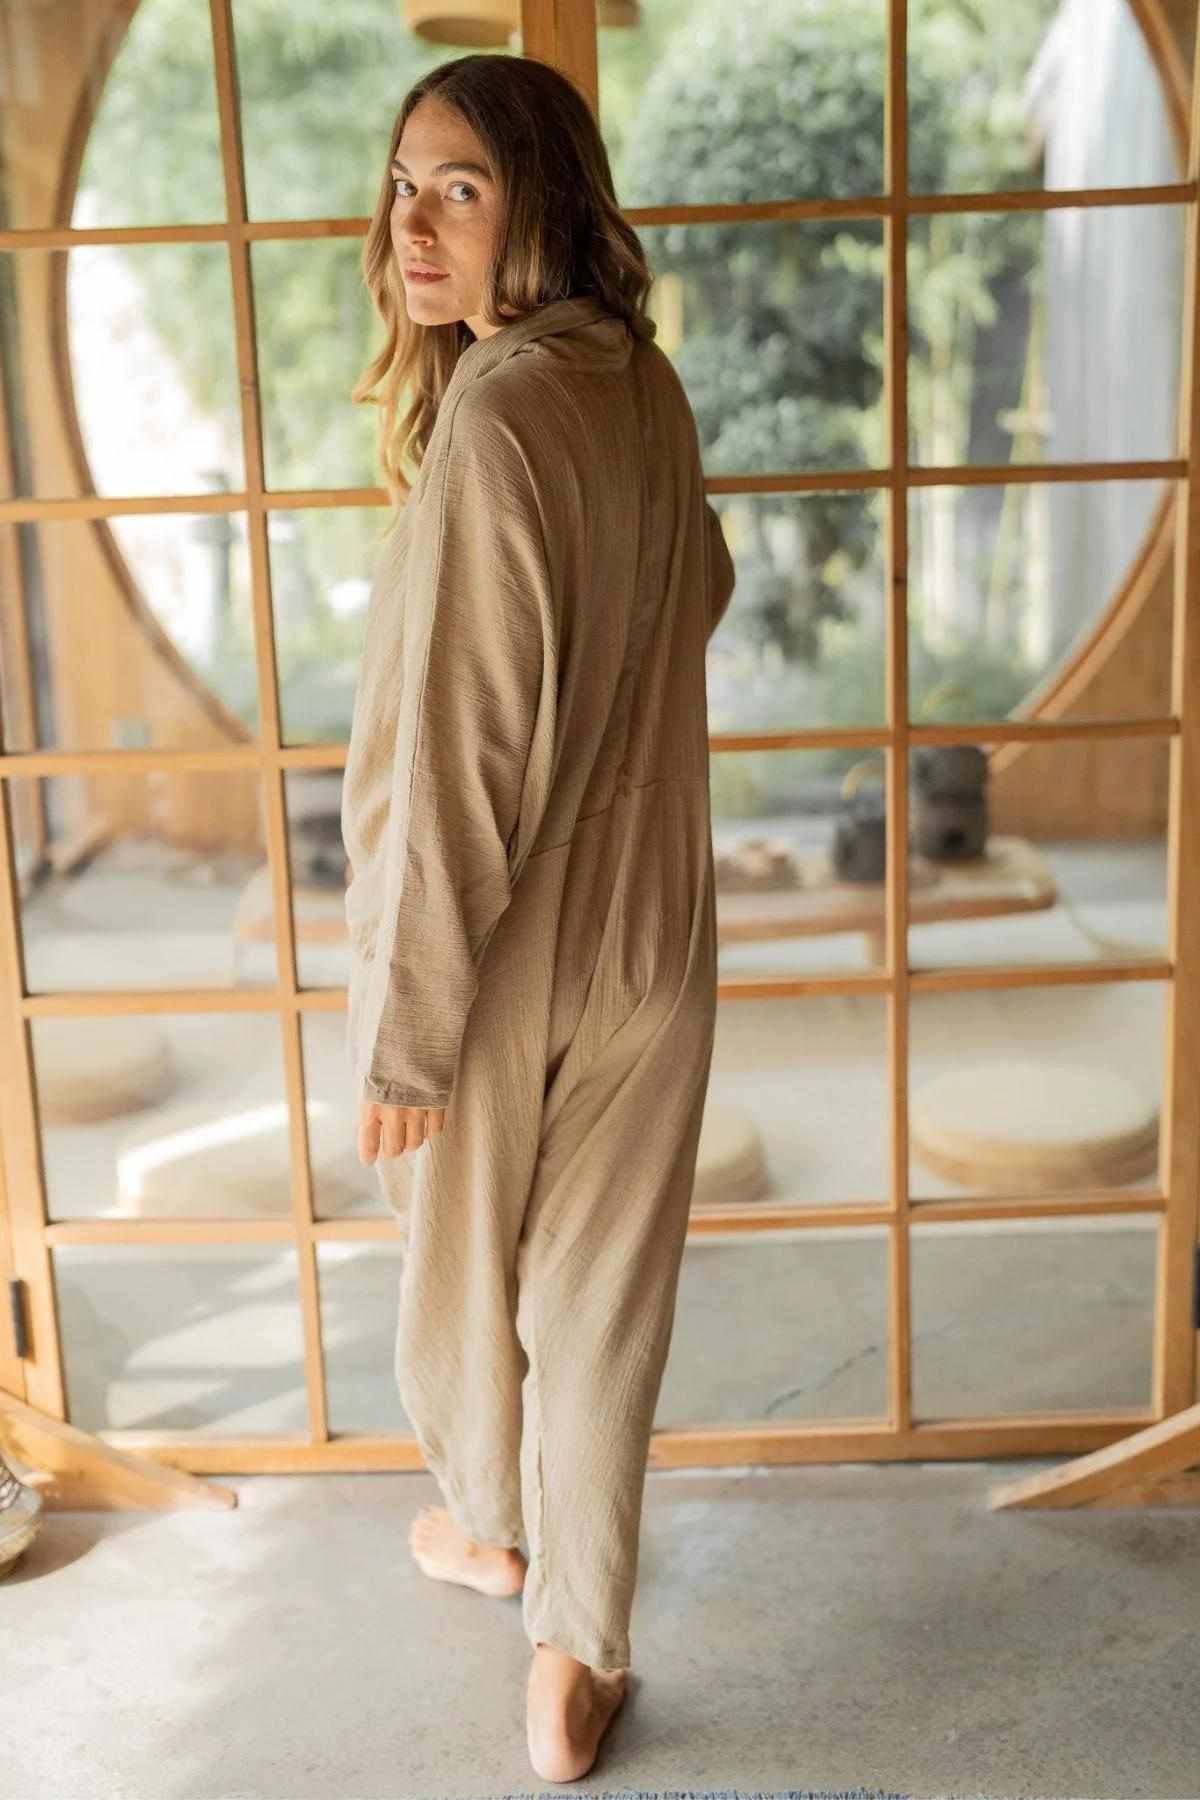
[{"x": 399, "y": 181}]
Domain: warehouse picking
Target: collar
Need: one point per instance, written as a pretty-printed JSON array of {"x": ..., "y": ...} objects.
[{"x": 549, "y": 319}]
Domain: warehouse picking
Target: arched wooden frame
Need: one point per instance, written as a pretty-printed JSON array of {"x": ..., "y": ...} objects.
[{"x": 564, "y": 33}]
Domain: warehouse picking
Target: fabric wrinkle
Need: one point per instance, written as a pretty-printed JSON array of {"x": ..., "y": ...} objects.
[{"x": 527, "y": 816}]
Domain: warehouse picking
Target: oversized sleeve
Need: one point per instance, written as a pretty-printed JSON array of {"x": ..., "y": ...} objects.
[
  {"x": 482, "y": 670},
  {"x": 720, "y": 569}
]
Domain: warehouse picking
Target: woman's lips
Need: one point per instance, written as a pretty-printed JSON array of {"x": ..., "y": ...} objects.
[{"x": 423, "y": 275}]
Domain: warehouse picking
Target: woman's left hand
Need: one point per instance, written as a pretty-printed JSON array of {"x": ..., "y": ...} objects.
[{"x": 391, "y": 1130}]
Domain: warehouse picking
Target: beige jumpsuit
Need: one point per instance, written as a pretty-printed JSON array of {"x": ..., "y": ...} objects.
[{"x": 531, "y": 912}]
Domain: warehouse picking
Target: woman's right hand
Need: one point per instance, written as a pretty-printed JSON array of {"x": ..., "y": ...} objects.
[{"x": 391, "y": 1130}]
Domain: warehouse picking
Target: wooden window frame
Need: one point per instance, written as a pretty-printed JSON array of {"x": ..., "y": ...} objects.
[{"x": 564, "y": 32}]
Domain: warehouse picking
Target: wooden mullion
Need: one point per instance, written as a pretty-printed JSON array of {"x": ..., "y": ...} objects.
[
  {"x": 41, "y": 1382},
  {"x": 12, "y": 1367},
  {"x": 859, "y": 206},
  {"x": 689, "y": 1447},
  {"x": 26, "y": 764},
  {"x": 1176, "y": 1374},
  {"x": 26, "y": 508},
  {"x": 775, "y": 1221},
  {"x": 899, "y": 1361},
  {"x": 272, "y": 772},
  {"x": 224, "y": 500},
  {"x": 952, "y": 977},
  {"x": 563, "y": 33}
]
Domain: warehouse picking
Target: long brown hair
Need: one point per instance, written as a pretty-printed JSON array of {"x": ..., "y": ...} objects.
[{"x": 560, "y": 234}]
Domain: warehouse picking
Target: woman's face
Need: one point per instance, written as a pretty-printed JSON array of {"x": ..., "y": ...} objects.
[{"x": 445, "y": 216}]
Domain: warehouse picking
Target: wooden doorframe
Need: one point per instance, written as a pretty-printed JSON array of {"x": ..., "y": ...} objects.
[{"x": 563, "y": 32}]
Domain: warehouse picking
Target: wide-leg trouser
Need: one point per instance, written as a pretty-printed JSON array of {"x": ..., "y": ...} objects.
[{"x": 545, "y": 1233}]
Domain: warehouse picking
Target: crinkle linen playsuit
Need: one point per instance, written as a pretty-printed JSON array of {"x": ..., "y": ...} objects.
[{"x": 531, "y": 913}]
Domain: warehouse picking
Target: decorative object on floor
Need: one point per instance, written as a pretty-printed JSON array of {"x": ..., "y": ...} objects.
[
  {"x": 948, "y": 809},
  {"x": 755, "y": 863},
  {"x": 315, "y": 846},
  {"x": 100, "y": 1067},
  {"x": 731, "y": 1169},
  {"x": 223, "y": 1161},
  {"x": 20, "y": 1518},
  {"x": 1024, "y": 1126},
  {"x": 858, "y": 850},
  {"x": 1012, "y": 877}
]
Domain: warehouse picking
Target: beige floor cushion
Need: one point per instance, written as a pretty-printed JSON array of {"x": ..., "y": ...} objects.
[
  {"x": 206, "y": 1161},
  {"x": 1030, "y": 1125},
  {"x": 730, "y": 1166},
  {"x": 95, "y": 1068}
]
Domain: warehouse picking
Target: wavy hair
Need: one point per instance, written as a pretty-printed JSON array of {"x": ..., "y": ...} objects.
[{"x": 560, "y": 234}]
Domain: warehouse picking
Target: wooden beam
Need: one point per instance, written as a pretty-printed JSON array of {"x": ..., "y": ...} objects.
[
  {"x": 82, "y": 1473},
  {"x": 563, "y": 33},
  {"x": 1122, "y": 1474}
]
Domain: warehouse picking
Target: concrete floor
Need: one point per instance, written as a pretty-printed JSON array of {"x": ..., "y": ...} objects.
[{"x": 812, "y": 1628}]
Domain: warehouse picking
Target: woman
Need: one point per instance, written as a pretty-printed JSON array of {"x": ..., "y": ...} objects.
[{"x": 526, "y": 815}]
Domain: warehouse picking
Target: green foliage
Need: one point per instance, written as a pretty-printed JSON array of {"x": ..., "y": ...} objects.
[{"x": 783, "y": 351}]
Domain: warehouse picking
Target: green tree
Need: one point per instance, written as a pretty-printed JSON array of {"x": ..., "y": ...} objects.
[{"x": 783, "y": 353}]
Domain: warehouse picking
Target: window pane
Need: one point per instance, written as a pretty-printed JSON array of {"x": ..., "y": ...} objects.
[
  {"x": 152, "y": 154},
  {"x": 797, "y": 1111},
  {"x": 1032, "y": 1315},
  {"x": 776, "y": 332},
  {"x": 139, "y": 395},
  {"x": 166, "y": 1115},
  {"x": 342, "y": 1187},
  {"x": 360, "y": 1297},
  {"x": 164, "y": 602},
  {"x": 196, "y": 1339},
  {"x": 1029, "y": 1091},
  {"x": 322, "y": 559},
  {"x": 320, "y": 871},
  {"x": 1033, "y": 853},
  {"x": 1066, "y": 95},
  {"x": 794, "y": 1328},
  {"x": 798, "y": 849},
  {"x": 1010, "y": 585},
  {"x": 802, "y": 641},
  {"x": 781, "y": 101},
  {"x": 1012, "y": 314},
  {"x": 139, "y": 880},
  {"x": 316, "y": 332},
  {"x": 325, "y": 158}
]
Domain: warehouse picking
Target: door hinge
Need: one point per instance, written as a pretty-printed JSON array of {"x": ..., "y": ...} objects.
[
  {"x": 1196, "y": 1291},
  {"x": 16, "y": 1305}
]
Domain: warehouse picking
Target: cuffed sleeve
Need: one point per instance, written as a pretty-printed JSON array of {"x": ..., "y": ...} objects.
[
  {"x": 720, "y": 569},
  {"x": 481, "y": 659}
]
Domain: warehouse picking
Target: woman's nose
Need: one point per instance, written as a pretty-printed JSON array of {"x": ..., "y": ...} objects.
[{"x": 415, "y": 225}]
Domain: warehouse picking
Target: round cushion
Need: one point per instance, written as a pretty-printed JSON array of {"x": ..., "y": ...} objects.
[
  {"x": 1033, "y": 1125},
  {"x": 96, "y": 1068},
  {"x": 216, "y": 1161},
  {"x": 730, "y": 1166}
]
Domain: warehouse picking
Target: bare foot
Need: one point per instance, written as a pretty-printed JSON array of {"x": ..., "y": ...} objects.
[
  {"x": 570, "y": 1706},
  {"x": 444, "y": 1552}
]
